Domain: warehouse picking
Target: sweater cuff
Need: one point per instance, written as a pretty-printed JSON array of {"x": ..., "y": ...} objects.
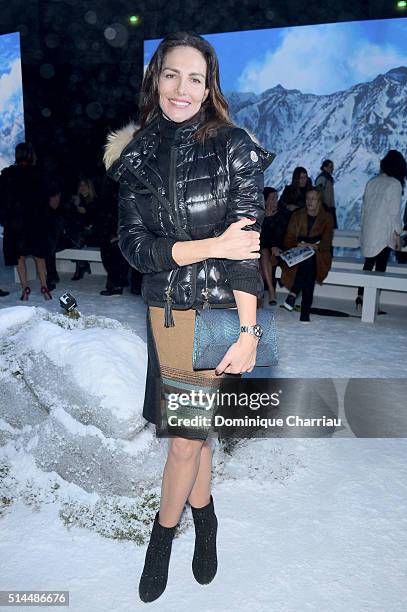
[
  {"x": 248, "y": 285},
  {"x": 162, "y": 249}
]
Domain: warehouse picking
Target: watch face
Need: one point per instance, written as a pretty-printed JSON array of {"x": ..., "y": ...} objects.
[{"x": 258, "y": 331}]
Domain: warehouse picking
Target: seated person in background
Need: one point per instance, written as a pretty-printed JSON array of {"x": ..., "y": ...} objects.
[
  {"x": 325, "y": 183},
  {"x": 293, "y": 196},
  {"x": 272, "y": 239},
  {"x": 80, "y": 231},
  {"x": 311, "y": 226}
]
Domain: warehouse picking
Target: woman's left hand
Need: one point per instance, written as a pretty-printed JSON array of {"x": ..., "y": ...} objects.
[{"x": 240, "y": 357}]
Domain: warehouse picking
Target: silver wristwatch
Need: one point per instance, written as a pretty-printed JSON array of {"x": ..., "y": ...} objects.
[{"x": 254, "y": 330}]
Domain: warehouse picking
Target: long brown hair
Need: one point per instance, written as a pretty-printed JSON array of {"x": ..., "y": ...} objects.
[
  {"x": 92, "y": 192},
  {"x": 295, "y": 181},
  {"x": 215, "y": 110}
]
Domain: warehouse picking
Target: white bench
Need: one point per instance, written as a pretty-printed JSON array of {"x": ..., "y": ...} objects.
[
  {"x": 85, "y": 254},
  {"x": 372, "y": 283},
  {"x": 346, "y": 239}
]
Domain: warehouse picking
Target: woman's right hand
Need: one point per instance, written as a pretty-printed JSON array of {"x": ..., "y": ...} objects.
[{"x": 237, "y": 243}]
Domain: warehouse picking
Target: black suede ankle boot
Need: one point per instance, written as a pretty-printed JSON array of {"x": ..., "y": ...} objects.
[
  {"x": 155, "y": 573},
  {"x": 205, "y": 561}
]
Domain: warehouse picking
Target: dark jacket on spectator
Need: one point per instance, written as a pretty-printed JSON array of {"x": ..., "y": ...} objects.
[
  {"x": 23, "y": 203},
  {"x": 289, "y": 198}
]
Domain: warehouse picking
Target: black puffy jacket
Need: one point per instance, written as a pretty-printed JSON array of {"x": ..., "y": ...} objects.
[{"x": 212, "y": 184}]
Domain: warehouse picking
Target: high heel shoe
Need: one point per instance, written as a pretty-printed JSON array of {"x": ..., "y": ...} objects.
[
  {"x": 46, "y": 293},
  {"x": 24, "y": 296},
  {"x": 205, "y": 561},
  {"x": 359, "y": 302},
  {"x": 154, "y": 578}
]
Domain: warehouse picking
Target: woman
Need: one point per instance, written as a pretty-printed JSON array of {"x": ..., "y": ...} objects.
[
  {"x": 272, "y": 239},
  {"x": 313, "y": 227},
  {"x": 190, "y": 181},
  {"x": 381, "y": 214},
  {"x": 325, "y": 183},
  {"x": 83, "y": 212},
  {"x": 24, "y": 203},
  {"x": 293, "y": 196}
]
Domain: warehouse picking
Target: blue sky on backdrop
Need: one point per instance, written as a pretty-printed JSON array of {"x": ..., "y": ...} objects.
[
  {"x": 320, "y": 59},
  {"x": 11, "y": 97},
  {"x": 9, "y": 51},
  {"x": 10, "y": 70}
]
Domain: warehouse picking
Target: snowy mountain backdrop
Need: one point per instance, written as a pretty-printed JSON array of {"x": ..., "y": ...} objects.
[
  {"x": 11, "y": 98},
  {"x": 355, "y": 128}
]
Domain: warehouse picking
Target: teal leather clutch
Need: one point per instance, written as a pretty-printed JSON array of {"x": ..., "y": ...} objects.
[{"x": 216, "y": 329}]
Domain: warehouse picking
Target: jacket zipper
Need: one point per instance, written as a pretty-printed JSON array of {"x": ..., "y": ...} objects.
[
  {"x": 205, "y": 291},
  {"x": 173, "y": 187},
  {"x": 164, "y": 201},
  {"x": 168, "y": 318}
]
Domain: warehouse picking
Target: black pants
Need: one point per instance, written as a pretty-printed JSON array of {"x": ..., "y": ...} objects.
[
  {"x": 50, "y": 262},
  {"x": 305, "y": 283},
  {"x": 378, "y": 262},
  {"x": 116, "y": 266}
]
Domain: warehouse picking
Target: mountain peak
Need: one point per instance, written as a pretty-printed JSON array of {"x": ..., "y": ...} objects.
[{"x": 398, "y": 74}]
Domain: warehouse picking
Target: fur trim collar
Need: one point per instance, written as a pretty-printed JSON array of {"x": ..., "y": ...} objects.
[{"x": 116, "y": 142}]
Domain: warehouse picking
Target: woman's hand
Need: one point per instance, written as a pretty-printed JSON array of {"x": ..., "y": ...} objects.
[
  {"x": 237, "y": 243},
  {"x": 82, "y": 210},
  {"x": 240, "y": 357},
  {"x": 308, "y": 244}
]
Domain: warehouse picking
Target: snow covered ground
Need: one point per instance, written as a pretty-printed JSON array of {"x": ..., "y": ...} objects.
[{"x": 304, "y": 524}]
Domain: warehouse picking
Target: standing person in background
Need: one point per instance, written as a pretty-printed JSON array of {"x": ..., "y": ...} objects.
[
  {"x": 293, "y": 196},
  {"x": 190, "y": 210},
  {"x": 24, "y": 204},
  {"x": 381, "y": 214},
  {"x": 272, "y": 239},
  {"x": 84, "y": 208},
  {"x": 106, "y": 227},
  {"x": 55, "y": 232},
  {"x": 325, "y": 183},
  {"x": 311, "y": 226},
  {"x": 402, "y": 257}
]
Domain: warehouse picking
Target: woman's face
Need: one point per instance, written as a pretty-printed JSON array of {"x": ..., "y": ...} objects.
[
  {"x": 272, "y": 203},
  {"x": 83, "y": 189},
  {"x": 302, "y": 181},
  {"x": 312, "y": 203},
  {"x": 181, "y": 84}
]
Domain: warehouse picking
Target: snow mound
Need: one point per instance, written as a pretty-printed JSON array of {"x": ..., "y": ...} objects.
[{"x": 72, "y": 431}]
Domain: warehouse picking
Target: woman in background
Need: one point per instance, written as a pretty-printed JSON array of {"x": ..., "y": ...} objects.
[
  {"x": 83, "y": 213},
  {"x": 272, "y": 239},
  {"x": 293, "y": 196},
  {"x": 325, "y": 183},
  {"x": 24, "y": 211},
  {"x": 381, "y": 215}
]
